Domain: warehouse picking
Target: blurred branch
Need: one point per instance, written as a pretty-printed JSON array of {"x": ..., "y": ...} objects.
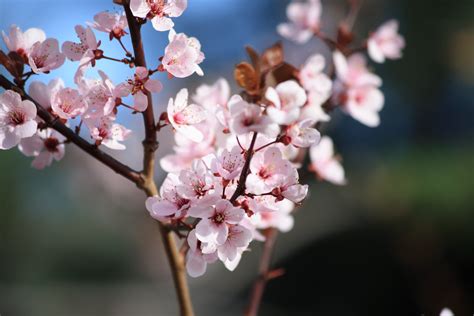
[
  {"x": 265, "y": 274},
  {"x": 91, "y": 149},
  {"x": 150, "y": 145}
]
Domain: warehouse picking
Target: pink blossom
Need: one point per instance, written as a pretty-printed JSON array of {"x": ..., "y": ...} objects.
[
  {"x": 287, "y": 99},
  {"x": 279, "y": 218},
  {"x": 187, "y": 150},
  {"x": 248, "y": 117},
  {"x": 196, "y": 260},
  {"x": 238, "y": 239},
  {"x": 182, "y": 55},
  {"x": 302, "y": 134},
  {"x": 196, "y": 181},
  {"x": 213, "y": 226},
  {"x": 170, "y": 202},
  {"x": 139, "y": 86},
  {"x": 108, "y": 133},
  {"x": 228, "y": 164},
  {"x": 112, "y": 23},
  {"x": 100, "y": 95},
  {"x": 289, "y": 188},
  {"x": 357, "y": 89},
  {"x": 267, "y": 167},
  {"x": 211, "y": 97},
  {"x": 45, "y": 56},
  {"x": 304, "y": 21},
  {"x": 67, "y": 103},
  {"x": 17, "y": 119},
  {"x": 353, "y": 71},
  {"x": 183, "y": 116},
  {"x": 158, "y": 11},
  {"x": 313, "y": 109},
  {"x": 22, "y": 42},
  {"x": 325, "y": 164},
  {"x": 314, "y": 80},
  {"x": 46, "y": 145},
  {"x": 88, "y": 43},
  {"x": 386, "y": 43},
  {"x": 41, "y": 93}
]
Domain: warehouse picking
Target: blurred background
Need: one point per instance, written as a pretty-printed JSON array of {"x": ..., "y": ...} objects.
[{"x": 75, "y": 239}]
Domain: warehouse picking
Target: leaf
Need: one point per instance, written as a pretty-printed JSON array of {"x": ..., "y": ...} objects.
[
  {"x": 246, "y": 77},
  {"x": 281, "y": 74},
  {"x": 272, "y": 57},
  {"x": 254, "y": 58}
]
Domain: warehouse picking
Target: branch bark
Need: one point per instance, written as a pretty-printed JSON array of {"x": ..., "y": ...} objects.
[
  {"x": 150, "y": 145},
  {"x": 264, "y": 273},
  {"x": 89, "y": 148}
]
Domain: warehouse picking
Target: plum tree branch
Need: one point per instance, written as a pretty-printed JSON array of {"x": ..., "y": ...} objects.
[
  {"x": 150, "y": 145},
  {"x": 89, "y": 148}
]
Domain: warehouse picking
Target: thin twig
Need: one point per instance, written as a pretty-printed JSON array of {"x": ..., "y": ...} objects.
[
  {"x": 265, "y": 274},
  {"x": 245, "y": 170}
]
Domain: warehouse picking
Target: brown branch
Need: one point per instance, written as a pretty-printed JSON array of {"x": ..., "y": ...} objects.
[
  {"x": 265, "y": 274},
  {"x": 150, "y": 145},
  {"x": 91, "y": 149},
  {"x": 245, "y": 170}
]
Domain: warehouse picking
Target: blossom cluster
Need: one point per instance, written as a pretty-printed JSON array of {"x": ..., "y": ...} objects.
[
  {"x": 93, "y": 102},
  {"x": 235, "y": 168}
]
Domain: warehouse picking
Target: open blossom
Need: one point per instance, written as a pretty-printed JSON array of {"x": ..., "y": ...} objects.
[
  {"x": 248, "y": 117},
  {"x": 17, "y": 119},
  {"x": 325, "y": 164},
  {"x": 45, "y": 56},
  {"x": 187, "y": 150},
  {"x": 100, "y": 95},
  {"x": 159, "y": 11},
  {"x": 302, "y": 134},
  {"x": 196, "y": 181},
  {"x": 46, "y": 145},
  {"x": 289, "y": 188},
  {"x": 22, "y": 42},
  {"x": 41, "y": 93},
  {"x": 304, "y": 21},
  {"x": 87, "y": 44},
  {"x": 287, "y": 99},
  {"x": 170, "y": 203},
  {"x": 228, "y": 164},
  {"x": 386, "y": 43},
  {"x": 357, "y": 89},
  {"x": 211, "y": 97},
  {"x": 213, "y": 227},
  {"x": 183, "y": 116},
  {"x": 182, "y": 55},
  {"x": 279, "y": 217},
  {"x": 138, "y": 87},
  {"x": 314, "y": 80},
  {"x": 267, "y": 167},
  {"x": 238, "y": 239},
  {"x": 67, "y": 103},
  {"x": 196, "y": 260},
  {"x": 108, "y": 133},
  {"x": 112, "y": 23}
]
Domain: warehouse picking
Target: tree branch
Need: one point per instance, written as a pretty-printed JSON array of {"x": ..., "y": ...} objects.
[
  {"x": 264, "y": 273},
  {"x": 91, "y": 149},
  {"x": 150, "y": 145},
  {"x": 245, "y": 170}
]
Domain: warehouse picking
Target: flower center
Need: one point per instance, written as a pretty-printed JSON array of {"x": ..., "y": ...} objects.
[
  {"x": 218, "y": 218},
  {"x": 51, "y": 144},
  {"x": 17, "y": 118}
]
